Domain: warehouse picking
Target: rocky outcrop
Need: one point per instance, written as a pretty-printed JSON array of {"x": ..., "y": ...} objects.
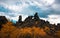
[
  {"x": 36, "y": 17},
  {"x": 31, "y": 21},
  {"x": 20, "y": 19},
  {"x": 3, "y": 20}
]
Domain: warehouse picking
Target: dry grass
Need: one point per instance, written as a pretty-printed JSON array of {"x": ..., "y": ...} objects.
[{"x": 10, "y": 31}]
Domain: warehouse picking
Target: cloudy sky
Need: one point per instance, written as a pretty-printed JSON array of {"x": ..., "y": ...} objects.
[{"x": 47, "y": 9}]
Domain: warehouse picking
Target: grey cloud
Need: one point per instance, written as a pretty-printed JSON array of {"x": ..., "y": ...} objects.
[{"x": 57, "y": 1}]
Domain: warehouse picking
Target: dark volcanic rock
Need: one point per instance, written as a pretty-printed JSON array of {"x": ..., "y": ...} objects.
[
  {"x": 19, "y": 22},
  {"x": 31, "y": 21},
  {"x": 28, "y": 18},
  {"x": 3, "y": 20},
  {"x": 58, "y": 26},
  {"x": 20, "y": 19},
  {"x": 36, "y": 17}
]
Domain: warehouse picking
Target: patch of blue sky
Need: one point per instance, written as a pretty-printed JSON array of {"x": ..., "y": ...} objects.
[{"x": 3, "y": 9}]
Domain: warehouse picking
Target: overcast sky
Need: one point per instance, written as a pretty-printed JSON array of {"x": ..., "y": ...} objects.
[{"x": 47, "y": 9}]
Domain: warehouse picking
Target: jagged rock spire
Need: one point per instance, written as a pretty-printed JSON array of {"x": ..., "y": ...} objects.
[
  {"x": 36, "y": 17},
  {"x": 20, "y": 19}
]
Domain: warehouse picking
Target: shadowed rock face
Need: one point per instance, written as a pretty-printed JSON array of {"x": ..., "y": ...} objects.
[
  {"x": 35, "y": 21},
  {"x": 3, "y": 20},
  {"x": 36, "y": 17},
  {"x": 19, "y": 22},
  {"x": 20, "y": 19},
  {"x": 32, "y": 21},
  {"x": 29, "y": 21}
]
